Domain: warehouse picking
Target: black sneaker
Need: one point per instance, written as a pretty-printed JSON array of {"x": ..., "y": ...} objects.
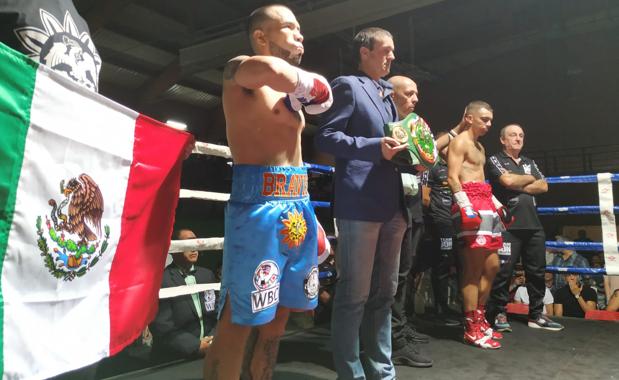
[
  {"x": 543, "y": 322},
  {"x": 414, "y": 336},
  {"x": 410, "y": 355}
]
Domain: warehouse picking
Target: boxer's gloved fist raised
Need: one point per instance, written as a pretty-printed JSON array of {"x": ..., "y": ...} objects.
[
  {"x": 506, "y": 216},
  {"x": 468, "y": 216},
  {"x": 312, "y": 92}
]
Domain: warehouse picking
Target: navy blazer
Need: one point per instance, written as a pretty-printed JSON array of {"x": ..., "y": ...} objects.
[{"x": 367, "y": 187}]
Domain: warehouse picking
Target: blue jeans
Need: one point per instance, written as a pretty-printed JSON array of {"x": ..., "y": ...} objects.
[{"x": 367, "y": 259}]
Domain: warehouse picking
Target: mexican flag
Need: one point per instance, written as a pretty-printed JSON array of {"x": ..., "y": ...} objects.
[{"x": 88, "y": 190}]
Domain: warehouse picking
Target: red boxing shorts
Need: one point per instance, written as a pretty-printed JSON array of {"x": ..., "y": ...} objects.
[{"x": 488, "y": 236}]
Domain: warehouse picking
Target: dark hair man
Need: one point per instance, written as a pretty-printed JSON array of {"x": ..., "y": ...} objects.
[
  {"x": 270, "y": 260},
  {"x": 368, "y": 208},
  {"x": 478, "y": 224},
  {"x": 516, "y": 180}
]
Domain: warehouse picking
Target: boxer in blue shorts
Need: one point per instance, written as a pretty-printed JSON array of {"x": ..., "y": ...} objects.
[
  {"x": 269, "y": 260},
  {"x": 270, "y": 244}
]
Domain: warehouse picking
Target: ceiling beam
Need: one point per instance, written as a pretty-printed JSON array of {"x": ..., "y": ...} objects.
[
  {"x": 102, "y": 12},
  {"x": 607, "y": 19},
  {"x": 159, "y": 84},
  {"x": 330, "y": 19}
]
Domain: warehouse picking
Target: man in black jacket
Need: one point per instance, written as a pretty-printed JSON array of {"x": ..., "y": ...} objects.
[
  {"x": 184, "y": 326},
  {"x": 516, "y": 180}
]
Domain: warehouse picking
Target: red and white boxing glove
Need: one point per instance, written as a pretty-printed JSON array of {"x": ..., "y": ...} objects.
[
  {"x": 469, "y": 218},
  {"x": 506, "y": 216},
  {"x": 312, "y": 92},
  {"x": 324, "y": 246}
]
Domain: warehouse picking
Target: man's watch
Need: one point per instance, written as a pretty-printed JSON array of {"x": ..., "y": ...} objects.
[{"x": 577, "y": 296}]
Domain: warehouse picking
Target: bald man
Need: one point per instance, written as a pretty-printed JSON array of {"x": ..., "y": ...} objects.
[
  {"x": 406, "y": 339},
  {"x": 270, "y": 261}
]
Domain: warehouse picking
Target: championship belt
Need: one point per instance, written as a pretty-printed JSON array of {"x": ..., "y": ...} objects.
[{"x": 413, "y": 131}]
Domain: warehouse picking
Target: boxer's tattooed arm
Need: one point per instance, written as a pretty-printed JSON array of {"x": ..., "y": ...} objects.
[{"x": 230, "y": 70}]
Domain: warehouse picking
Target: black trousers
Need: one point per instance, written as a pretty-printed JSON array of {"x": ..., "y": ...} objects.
[
  {"x": 410, "y": 243},
  {"x": 530, "y": 245},
  {"x": 437, "y": 252}
]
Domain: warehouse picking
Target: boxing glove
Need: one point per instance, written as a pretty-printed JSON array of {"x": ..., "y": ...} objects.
[
  {"x": 312, "y": 92},
  {"x": 324, "y": 247},
  {"x": 506, "y": 216},
  {"x": 469, "y": 218}
]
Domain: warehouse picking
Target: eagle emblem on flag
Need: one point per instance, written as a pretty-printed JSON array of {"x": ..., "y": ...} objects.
[{"x": 74, "y": 228}]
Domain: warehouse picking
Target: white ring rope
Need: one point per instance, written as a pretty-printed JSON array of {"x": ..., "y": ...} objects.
[
  {"x": 205, "y": 244},
  {"x": 186, "y": 289},
  {"x": 204, "y": 195},
  {"x": 212, "y": 150},
  {"x": 200, "y": 244}
]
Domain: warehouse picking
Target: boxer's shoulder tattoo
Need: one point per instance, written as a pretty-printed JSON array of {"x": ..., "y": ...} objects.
[
  {"x": 232, "y": 66},
  {"x": 230, "y": 69}
]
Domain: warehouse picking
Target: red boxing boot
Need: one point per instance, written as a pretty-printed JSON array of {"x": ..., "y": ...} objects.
[
  {"x": 473, "y": 334},
  {"x": 485, "y": 326}
]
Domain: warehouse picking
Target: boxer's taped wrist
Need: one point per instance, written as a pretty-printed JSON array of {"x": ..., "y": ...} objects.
[
  {"x": 496, "y": 202},
  {"x": 462, "y": 199},
  {"x": 305, "y": 83}
]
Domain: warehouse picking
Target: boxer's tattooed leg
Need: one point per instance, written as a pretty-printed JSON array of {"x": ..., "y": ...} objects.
[
  {"x": 213, "y": 372},
  {"x": 270, "y": 352},
  {"x": 250, "y": 346}
]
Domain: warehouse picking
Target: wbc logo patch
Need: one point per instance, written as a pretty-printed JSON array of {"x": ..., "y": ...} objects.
[
  {"x": 311, "y": 283},
  {"x": 266, "y": 282}
]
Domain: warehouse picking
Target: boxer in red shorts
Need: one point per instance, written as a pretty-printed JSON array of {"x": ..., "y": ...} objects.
[{"x": 479, "y": 221}]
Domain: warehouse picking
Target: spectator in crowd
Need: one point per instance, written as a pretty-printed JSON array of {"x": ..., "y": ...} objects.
[
  {"x": 611, "y": 285},
  {"x": 53, "y": 33},
  {"x": 566, "y": 258},
  {"x": 549, "y": 280},
  {"x": 613, "y": 301},
  {"x": 184, "y": 325},
  {"x": 517, "y": 281},
  {"x": 522, "y": 296},
  {"x": 516, "y": 180},
  {"x": 405, "y": 338},
  {"x": 583, "y": 238},
  {"x": 368, "y": 207},
  {"x": 574, "y": 298},
  {"x": 596, "y": 281}
]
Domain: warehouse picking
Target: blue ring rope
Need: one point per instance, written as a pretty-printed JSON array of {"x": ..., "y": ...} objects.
[
  {"x": 572, "y": 210},
  {"x": 576, "y": 270},
  {"x": 562, "y": 179}
]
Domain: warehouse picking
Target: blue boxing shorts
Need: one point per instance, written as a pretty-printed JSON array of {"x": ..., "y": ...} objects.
[{"x": 270, "y": 244}]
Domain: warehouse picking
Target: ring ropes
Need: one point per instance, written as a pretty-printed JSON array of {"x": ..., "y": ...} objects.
[{"x": 606, "y": 209}]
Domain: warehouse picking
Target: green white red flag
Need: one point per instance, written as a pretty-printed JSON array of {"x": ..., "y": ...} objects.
[{"x": 88, "y": 191}]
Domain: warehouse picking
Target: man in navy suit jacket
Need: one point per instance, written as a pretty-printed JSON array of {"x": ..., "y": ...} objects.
[{"x": 368, "y": 208}]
